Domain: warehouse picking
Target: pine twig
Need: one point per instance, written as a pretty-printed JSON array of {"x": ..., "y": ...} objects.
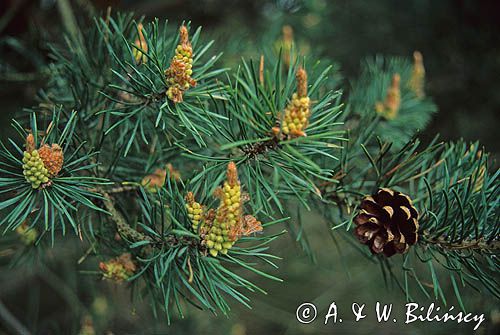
[
  {"x": 11, "y": 321},
  {"x": 126, "y": 230},
  {"x": 121, "y": 224},
  {"x": 10, "y": 13},
  {"x": 479, "y": 244},
  {"x": 256, "y": 149},
  {"x": 190, "y": 279},
  {"x": 68, "y": 18}
]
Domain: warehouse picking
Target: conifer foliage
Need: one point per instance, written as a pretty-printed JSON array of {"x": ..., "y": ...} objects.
[{"x": 172, "y": 169}]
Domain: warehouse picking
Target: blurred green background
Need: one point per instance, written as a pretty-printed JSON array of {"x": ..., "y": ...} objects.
[{"x": 459, "y": 41}]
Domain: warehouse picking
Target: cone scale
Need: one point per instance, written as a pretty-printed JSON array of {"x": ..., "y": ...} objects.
[{"x": 387, "y": 222}]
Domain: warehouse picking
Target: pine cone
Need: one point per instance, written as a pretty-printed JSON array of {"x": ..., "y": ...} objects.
[
  {"x": 52, "y": 157},
  {"x": 387, "y": 222}
]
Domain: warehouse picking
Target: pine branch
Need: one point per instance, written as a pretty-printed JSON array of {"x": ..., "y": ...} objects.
[
  {"x": 246, "y": 145},
  {"x": 11, "y": 321},
  {"x": 477, "y": 245},
  {"x": 121, "y": 223},
  {"x": 457, "y": 198},
  {"x": 68, "y": 18}
]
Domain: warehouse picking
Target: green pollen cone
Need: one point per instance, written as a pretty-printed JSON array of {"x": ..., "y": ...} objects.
[{"x": 34, "y": 170}]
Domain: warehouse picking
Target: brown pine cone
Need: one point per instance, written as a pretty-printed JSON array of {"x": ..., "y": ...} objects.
[{"x": 387, "y": 222}]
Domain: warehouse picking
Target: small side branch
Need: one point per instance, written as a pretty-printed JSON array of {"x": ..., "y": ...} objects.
[
  {"x": 479, "y": 245},
  {"x": 256, "y": 149},
  {"x": 10, "y": 321},
  {"x": 121, "y": 224},
  {"x": 127, "y": 231}
]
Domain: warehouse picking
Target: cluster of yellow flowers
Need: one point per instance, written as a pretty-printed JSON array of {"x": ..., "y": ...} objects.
[
  {"x": 417, "y": 79},
  {"x": 39, "y": 165},
  {"x": 297, "y": 112},
  {"x": 142, "y": 47},
  {"x": 178, "y": 75},
  {"x": 390, "y": 107},
  {"x": 227, "y": 215},
  {"x": 28, "y": 235},
  {"x": 33, "y": 169},
  {"x": 195, "y": 211},
  {"x": 157, "y": 179},
  {"x": 285, "y": 45},
  {"x": 221, "y": 228},
  {"x": 119, "y": 268},
  {"x": 52, "y": 157}
]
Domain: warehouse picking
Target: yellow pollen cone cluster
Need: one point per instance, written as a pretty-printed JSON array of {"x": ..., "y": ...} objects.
[
  {"x": 228, "y": 214},
  {"x": 298, "y": 111},
  {"x": 195, "y": 211},
  {"x": 156, "y": 180},
  {"x": 286, "y": 45},
  {"x": 247, "y": 226},
  {"x": 118, "y": 269},
  {"x": 42, "y": 164},
  {"x": 27, "y": 235},
  {"x": 178, "y": 75},
  {"x": 140, "y": 54},
  {"x": 52, "y": 157},
  {"x": 390, "y": 107},
  {"x": 33, "y": 169},
  {"x": 417, "y": 80},
  {"x": 220, "y": 228}
]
